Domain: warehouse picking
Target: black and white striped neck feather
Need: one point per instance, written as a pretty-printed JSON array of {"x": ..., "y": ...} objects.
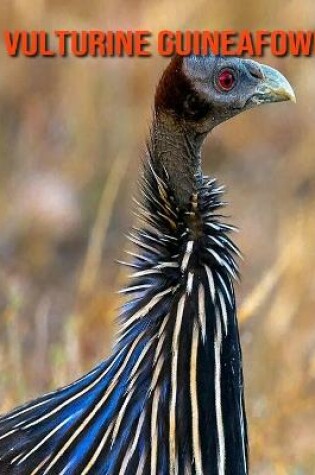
[
  {"x": 170, "y": 398},
  {"x": 183, "y": 281}
]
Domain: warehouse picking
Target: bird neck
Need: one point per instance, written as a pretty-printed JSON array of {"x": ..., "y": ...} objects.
[
  {"x": 176, "y": 150},
  {"x": 179, "y": 323},
  {"x": 170, "y": 398}
]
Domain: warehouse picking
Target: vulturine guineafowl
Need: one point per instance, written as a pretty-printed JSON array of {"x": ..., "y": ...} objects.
[{"x": 170, "y": 399}]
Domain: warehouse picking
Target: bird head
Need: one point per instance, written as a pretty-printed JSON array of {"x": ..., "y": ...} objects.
[{"x": 203, "y": 91}]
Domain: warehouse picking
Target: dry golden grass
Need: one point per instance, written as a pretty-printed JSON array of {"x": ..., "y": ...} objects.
[{"x": 71, "y": 136}]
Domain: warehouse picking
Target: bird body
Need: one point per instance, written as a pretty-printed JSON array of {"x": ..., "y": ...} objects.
[{"x": 170, "y": 398}]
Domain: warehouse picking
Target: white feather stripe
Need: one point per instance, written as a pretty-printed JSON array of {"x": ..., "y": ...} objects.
[
  {"x": 36, "y": 404},
  {"x": 75, "y": 396},
  {"x": 141, "y": 358},
  {"x": 42, "y": 442},
  {"x": 243, "y": 434},
  {"x": 140, "y": 257},
  {"x": 194, "y": 400},
  {"x": 144, "y": 273},
  {"x": 167, "y": 264},
  {"x": 216, "y": 256},
  {"x": 218, "y": 399},
  {"x": 131, "y": 388},
  {"x": 134, "y": 288},
  {"x": 121, "y": 414},
  {"x": 141, "y": 465},
  {"x": 156, "y": 373},
  {"x": 223, "y": 312},
  {"x": 143, "y": 245},
  {"x": 133, "y": 446},
  {"x": 8, "y": 433},
  {"x": 96, "y": 408},
  {"x": 190, "y": 281},
  {"x": 185, "y": 261},
  {"x": 211, "y": 282},
  {"x": 175, "y": 345},
  {"x": 144, "y": 310},
  {"x": 161, "y": 337},
  {"x": 226, "y": 290},
  {"x": 158, "y": 360},
  {"x": 97, "y": 452},
  {"x": 40, "y": 466},
  {"x": 202, "y": 311},
  {"x": 154, "y": 431}
]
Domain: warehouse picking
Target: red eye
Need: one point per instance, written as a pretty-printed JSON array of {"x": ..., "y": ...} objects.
[{"x": 226, "y": 79}]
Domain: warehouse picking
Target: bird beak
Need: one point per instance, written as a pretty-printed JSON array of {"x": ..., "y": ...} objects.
[{"x": 273, "y": 87}]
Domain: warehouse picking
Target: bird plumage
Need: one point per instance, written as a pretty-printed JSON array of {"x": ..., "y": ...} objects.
[
  {"x": 175, "y": 370},
  {"x": 170, "y": 398}
]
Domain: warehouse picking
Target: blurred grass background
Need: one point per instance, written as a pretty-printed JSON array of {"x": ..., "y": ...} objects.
[{"x": 72, "y": 135}]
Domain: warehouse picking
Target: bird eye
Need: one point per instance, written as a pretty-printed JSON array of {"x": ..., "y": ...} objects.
[{"x": 226, "y": 79}]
